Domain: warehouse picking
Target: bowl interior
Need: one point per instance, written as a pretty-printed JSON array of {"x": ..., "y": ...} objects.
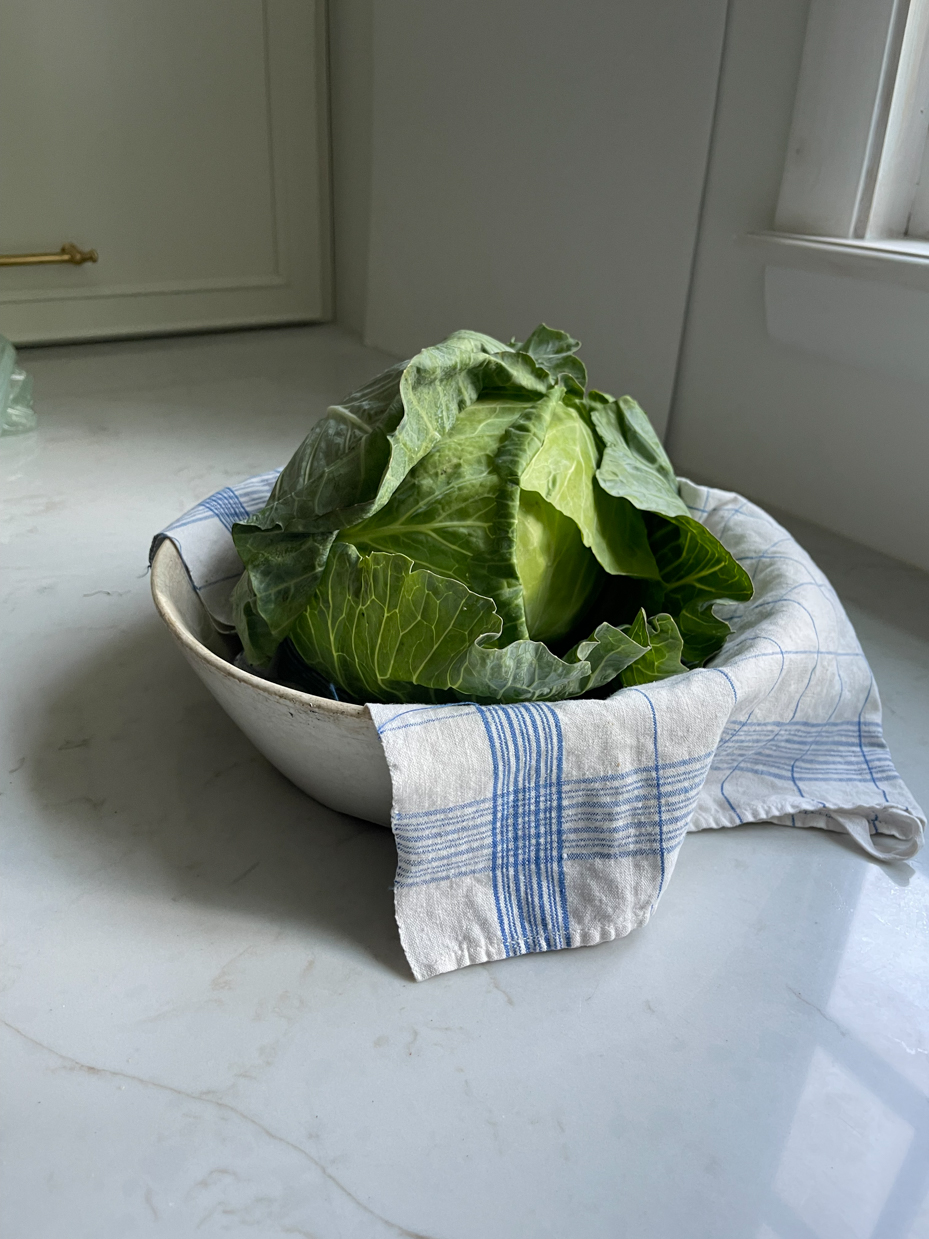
[{"x": 179, "y": 605}]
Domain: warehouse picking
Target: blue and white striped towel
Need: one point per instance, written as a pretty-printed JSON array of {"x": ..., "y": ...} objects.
[
  {"x": 536, "y": 827},
  {"x": 204, "y": 538}
]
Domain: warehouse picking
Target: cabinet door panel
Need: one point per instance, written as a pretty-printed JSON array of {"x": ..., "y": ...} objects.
[{"x": 184, "y": 140}]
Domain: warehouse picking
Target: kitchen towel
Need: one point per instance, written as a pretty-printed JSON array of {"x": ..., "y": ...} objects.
[{"x": 539, "y": 826}]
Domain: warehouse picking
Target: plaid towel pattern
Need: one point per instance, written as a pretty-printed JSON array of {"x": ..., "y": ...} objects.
[
  {"x": 538, "y": 827},
  {"x": 204, "y": 538},
  {"x": 531, "y": 828}
]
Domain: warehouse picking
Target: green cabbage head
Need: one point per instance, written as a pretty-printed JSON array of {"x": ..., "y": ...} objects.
[{"x": 475, "y": 525}]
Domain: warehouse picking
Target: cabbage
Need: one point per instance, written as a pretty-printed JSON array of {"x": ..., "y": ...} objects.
[{"x": 475, "y": 525}]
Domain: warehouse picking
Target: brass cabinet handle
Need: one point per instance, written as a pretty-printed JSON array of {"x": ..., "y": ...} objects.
[{"x": 69, "y": 252}]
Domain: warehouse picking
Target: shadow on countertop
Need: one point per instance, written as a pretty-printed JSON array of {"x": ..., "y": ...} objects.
[{"x": 145, "y": 776}]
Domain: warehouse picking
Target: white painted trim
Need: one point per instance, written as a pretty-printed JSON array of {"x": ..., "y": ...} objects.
[
  {"x": 918, "y": 223},
  {"x": 903, "y": 262},
  {"x": 843, "y": 98},
  {"x": 899, "y": 171},
  {"x": 223, "y": 283}
]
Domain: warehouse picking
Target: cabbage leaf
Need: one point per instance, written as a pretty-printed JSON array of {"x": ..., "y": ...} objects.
[{"x": 378, "y": 625}]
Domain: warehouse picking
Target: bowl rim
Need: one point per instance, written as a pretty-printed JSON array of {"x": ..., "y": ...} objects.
[{"x": 166, "y": 609}]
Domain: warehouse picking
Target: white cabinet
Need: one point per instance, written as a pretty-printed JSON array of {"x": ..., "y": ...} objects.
[{"x": 186, "y": 141}]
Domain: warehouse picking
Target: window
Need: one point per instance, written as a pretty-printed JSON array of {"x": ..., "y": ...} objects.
[{"x": 857, "y": 166}]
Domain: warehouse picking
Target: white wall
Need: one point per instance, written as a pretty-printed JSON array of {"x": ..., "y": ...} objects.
[
  {"x": 816, "y": 411},
  {"x": 529, "y": 160},
  {"x": 350, "y": 64}
]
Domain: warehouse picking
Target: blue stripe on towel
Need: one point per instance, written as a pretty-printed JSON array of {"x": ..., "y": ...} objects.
[
  {"x": 526, "y": 828},
  {"x": 231, "y": 504},
  {"x": 609, "y": 817}
]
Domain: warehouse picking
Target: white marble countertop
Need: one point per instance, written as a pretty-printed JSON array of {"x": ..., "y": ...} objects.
[{"x": 209, "y": 1025}]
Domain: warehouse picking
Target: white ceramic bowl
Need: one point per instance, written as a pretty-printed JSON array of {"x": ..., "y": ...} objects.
[{"x": 328, "y": 748}]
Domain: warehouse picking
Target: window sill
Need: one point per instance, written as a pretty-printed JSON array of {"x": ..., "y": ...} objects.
[
  {"x": 902, "y": 262},
  {"x": 859, "y": 303}
]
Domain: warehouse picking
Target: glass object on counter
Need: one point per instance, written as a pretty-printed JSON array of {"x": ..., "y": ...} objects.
[{"x": 16, "y": 412}]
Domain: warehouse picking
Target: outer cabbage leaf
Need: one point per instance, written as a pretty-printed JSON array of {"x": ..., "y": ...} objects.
[
  {"x": 663, "y": 654},
  {"x": 564, "y": 472},
  {"x": 554, "y": 351},
  {"x": 634, "y": 465},
  {"x": 608, "y": 652},
  {"x": 376, "y": 627},
  {"x": 694, "y": 564},
  {"x": 258, "y": 641},
  {"x": 703, "y": 633},
  {"x": 383, "y": 630}
]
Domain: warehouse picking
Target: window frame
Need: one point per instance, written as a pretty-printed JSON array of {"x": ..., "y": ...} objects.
[{"x": 857, "y": 163}]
